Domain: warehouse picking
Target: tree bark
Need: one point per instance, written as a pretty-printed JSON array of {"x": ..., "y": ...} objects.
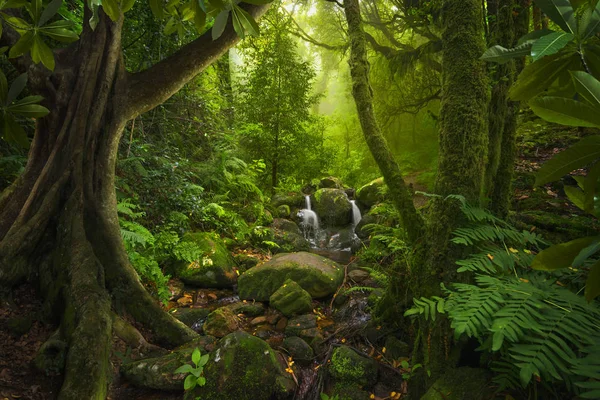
[
  {"x": 59, "y": 227},
  {"x": 363, "y": 97}
]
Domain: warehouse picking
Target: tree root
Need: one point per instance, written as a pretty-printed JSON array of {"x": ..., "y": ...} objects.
[{"x": 130, "y": 335}]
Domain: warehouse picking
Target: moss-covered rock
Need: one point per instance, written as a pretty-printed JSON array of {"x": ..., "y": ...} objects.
[
  {"x": 298, "y": 349},
  {"x": 331, "y": 182},
  {"x": 291, "y": 299},
  {"x": 245, "y": 262},
  {"x": 288, "y": 236},
  {"x": 371, "y": 193},
  {"x": 244, "y": 367},
  {"x": 333, "y": 207},
  {"x": 460, "y": 383},
  {"x": 291, "y": 199},
  {"x": 157, "y": 373},
  {"x": 286, "y": 225},
  {"x": 300, "y": 323},
  {"x": 349, "y": 391},
  {"x": 349, "y": 366},
  {"x": 213, "y": 270},
  {"x": 317, "y": 275},
  {"x": 190, "y": 315},
  {"x": 221, "y": 322},
  {"x": 284, "y": 211}
]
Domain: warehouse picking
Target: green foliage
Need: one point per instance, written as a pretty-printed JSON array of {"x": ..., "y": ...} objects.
[
  {"x": 531, "y": 323},
  {"x": 195, "y": 377}
]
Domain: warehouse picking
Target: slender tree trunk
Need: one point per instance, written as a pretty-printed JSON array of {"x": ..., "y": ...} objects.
[
  {"x": 363, "y": 97},
  {"x": 537, "y": 18}
]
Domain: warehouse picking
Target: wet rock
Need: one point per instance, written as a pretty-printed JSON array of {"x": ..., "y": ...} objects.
[
  {"x": 298, "y": 349},
  {"x": 331, "y": 182},
  {"x": 333, "y": 207},
  {"x": 245, "y": 262},
  {"x": 358, "y": 275},
  {"x": 396, "y": 348},
  {"x": 312, "y": 336},
  {"x": 189, "y": 316},
  {"x": 253, "y": 309},
  {"x": 283, "y": 211},
  {"x": 292, "y": 199},
  {"x": 244, "y": 367},
  {"x": 273, "y": 318},
  {"x": 213, "y": 270},
  {"x": 302, "y": 322},
  {"x": 286, "y": 225},
  {"x": 289, "y": 242},
  {"x": 175, "y": 288},
  {"x": 291, "y": 299},
  {"x": 360, "y": 230},
  {"x": 349, "y": 366},
  {"x": 319, "y": 276},
  {"x": 281, "y": 324},
  {"x": 460, "y": 383},
  {"x": 258, "y": 321},
  {"x": 371, "y": 193},
  {"x": 221, "y": 322}
]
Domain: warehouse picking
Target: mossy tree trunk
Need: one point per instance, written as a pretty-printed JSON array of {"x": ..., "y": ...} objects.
[
  {"x": 500, "y": 189},
  {"x": 58, "y": 222},
  {"x": 363, "y": 97}
]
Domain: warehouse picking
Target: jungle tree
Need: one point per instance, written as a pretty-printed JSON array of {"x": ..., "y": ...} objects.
[{"x": 58, "y": 222}]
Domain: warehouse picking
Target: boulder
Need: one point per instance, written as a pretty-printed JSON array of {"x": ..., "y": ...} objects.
[
  {"x": 244, "y": 367},
  {"x": 300, "y": 323},
  {"x": 371, "y": 193},
  {"x": 331, "y": 182},
  {"x": 460, "y": 383},
  {"x": 291, "y": 299},
  {"x": 288, "y": 236},
  {"x": 298, "y": 349},
  {"x": 291, "y": 199},
  {"x": 248, "y": 309},
  {"x": 343, "y": 238},
  {"x": 286, "y": 225},
  {"x": 360, "y": 230},
  {"x": 333, "y": 207},
  {"x": 349, "y": 366},
  {"x": 358, "y": 275},
  {"x": 221, "y": 322},
  {"x": 213, "y": 270},
  {"x": 317, "y": 275},
  {"x": 189, "y": 316},
  {"x": 284, "y": 211}
]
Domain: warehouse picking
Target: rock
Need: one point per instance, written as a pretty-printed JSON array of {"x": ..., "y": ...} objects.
[
  {"x": 291, "y": 299},
  {"x": 213, "y": 270},
  {"x": 298, "y": 349},
  {"x": 302, "y": 322},
  {"x": 284, "y": 211},
  {"x": 292, "y": 199},
  {"x": 286, "y": 225},
  {"x": 396, "y": 348},
  {"x": 288, "y": 236},
  {"x": 313, "y": 337},
  {"x": 189, "y": 316},
  {"x": 244, "y": 367},
  {"x": 348, "y": 391},
  {"x": 331, "y": 182},
  {"x": 375, "y": 296},
  {"x": 221, "y": 322},
  {"x": 349, "y": 366},
  {"x": 175, "y": 288},
  {"x": 245, "y": 262},
  {"x": 358, "y": 275},
  {"x": 460, "y": 383},
  {"x": 371, "y": 193},
  {"x": 258, "y": 321},
  {"x": 281, "y": 324},
  {"x": 360, "y": 230},
  {"x": 273, "y": 318},
  {"x": 333, "y": 207},
  {"x": 317, "y": 275},
  {"x": 343, "y": 238},
  {"x": 248, "y": 309}
]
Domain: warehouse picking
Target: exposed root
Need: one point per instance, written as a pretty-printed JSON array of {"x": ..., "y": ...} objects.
[{"x": 130, "y": 335}]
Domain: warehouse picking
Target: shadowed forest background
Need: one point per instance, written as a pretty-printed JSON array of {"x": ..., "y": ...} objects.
[{"x": 209, "y": 199}]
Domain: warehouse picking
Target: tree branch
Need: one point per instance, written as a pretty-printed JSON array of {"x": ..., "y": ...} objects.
[
  {"x": 152, "y": 87},
  {"x": 386, "y": 51}
]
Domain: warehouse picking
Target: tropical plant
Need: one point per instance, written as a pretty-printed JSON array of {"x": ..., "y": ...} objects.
[{"x": 195, "y": 377}]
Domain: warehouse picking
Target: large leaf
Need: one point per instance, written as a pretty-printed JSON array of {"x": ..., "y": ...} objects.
[
  {"x": 538, "y": 76},
  {"x": 576, "y": 195},
  {"x": 587, "y": 86},
  {"x": 534, "y": 35},
  {"x": 586, "y": 253},
  {"x": 589, "y": 22},
  {"x": 565, "y": 111},
  {"x": 560, "y": 255},
  {"x": 560, "y": 12},
  {"x": 16, "y": 88},
  {"x": 156, "y": 7},
  {"x": 220, "y": 24},
  {"x": 3, "y": 88},
  {"x": 502, "y": 55},
  {"x": 49, "y": 12},
  {"x": 257, "y": 2},
  {"x": 40, "y": 52},
  {"x": 22, "y": 46},
  {"x": 582, "y": 153},
  {"x": 60, "y": 31},
  {"x": 550, "y": 44},
  {"x": 247, "y": 21},
  {"x": 29, "y": 110},
  {"x": 13, "y": 132},
  {"x": 592, "y": 285},
  {"x": 111, "y": 8}
]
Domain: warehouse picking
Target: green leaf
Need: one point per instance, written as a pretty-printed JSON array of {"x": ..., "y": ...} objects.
[
  {"x": 257, "y": 2},
  {"x": 203, "y": 360},
  {"x": 16, "y": 88},
  {"x": 156, "y": 7},
  {"x": 538, "y": 76},
  {"x": 502, "y": 55},
  {"x": 576, "y": 195},
  {"x": 219, "y": 25},
  {"x": 565, "y": 111},
  {"x": 550, "y": 44},
  {"x": 577, "y": 156},
  {"x": 29, "y": 110},
  {"x": 560, "y": 255},
  {"x": 190, "y": 382},
  {"x": 18, "y": 24},
  {"x": 111, "y": 8},
  {"x": 560, "y": 12},
  {"x": 127, "y": 5},
  {"x": 3, "y": 88},
  {"x": 29, "y": 100},
  {"x": 589, "y": 22},
  {"x": 196, "y": 356},
  {"x": 534, "y": 35},
  {"x": 59, "y": 33},
  {"x": 201, "y": 381},
  {"x": 586, "y": 253},
  {"x": 171, "y": 26},
  {"x": 14, "y": 133},
  {"x": 590, "y": 187},
  {"x": 13, "y": 4},
  {"x": 35, "y": 9},
  {"x": 200, "y": 20},
  {"x": 22, "y": 46},
  {"x": 587, "y": 86},
  {"x": 592, "y": 285},
  {"x": 237, "y": 23},
  {"x": 247, "y": 21},
  {"x": 41, "y": 52},
  {"x": 184, "y": 369},
  {"x": 94, "y": 5},
  {"x": 49, "y": 12}
]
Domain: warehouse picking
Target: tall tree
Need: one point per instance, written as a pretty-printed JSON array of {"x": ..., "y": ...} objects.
[{"x": 58, "y": 222}]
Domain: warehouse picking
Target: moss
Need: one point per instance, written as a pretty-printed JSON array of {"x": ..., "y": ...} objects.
[
  {"x": 348, "y": 366},
  {"x": 220, "y": 322},
  {"x": 333, "y": 207},
  {"x": 460, "y": 383},
  {"x": 291, "y": 299},
  {"x": 349, "y": 391}
]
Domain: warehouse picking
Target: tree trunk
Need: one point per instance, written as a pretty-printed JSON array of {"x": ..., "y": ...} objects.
[
  {"x": 363, "y": 97},
  {"x": 59, "y": 226}
]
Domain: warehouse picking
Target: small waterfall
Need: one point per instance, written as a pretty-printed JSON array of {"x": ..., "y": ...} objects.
[
  {"x": 356, "y": 215},
  {"x": 310, "y": 222}
]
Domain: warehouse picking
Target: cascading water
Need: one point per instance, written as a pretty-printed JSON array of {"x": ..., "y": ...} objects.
[
  {"x": 310, "y": 222},
  {"x": 356, "y": 215}
]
